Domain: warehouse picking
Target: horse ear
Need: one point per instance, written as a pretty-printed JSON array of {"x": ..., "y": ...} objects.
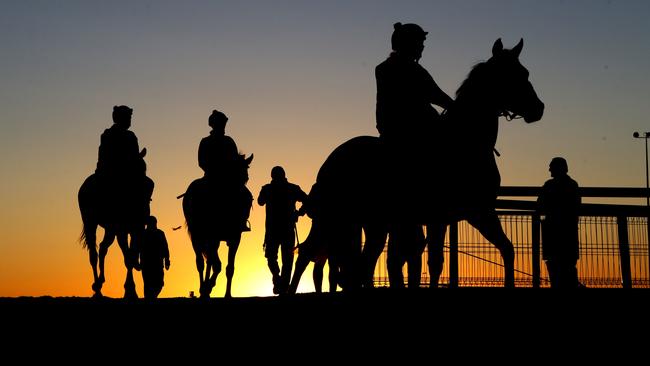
[
  {"x": 497, "y": 47},
  {"x": 250, "y": 158},
  {"x": 517, "y": 49}
]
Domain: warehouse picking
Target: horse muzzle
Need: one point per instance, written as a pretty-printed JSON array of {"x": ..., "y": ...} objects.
[{"x": 536, "y": 114}]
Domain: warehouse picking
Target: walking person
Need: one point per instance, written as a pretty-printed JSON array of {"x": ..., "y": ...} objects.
[
  {"x": 154, "y": 256},
  {"x": 280, "y": 198}
]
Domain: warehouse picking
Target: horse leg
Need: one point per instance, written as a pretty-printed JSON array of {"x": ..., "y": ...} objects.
[
  {"x": 489, "y": 226},
  {"x": 213, "y": 268},
  {"x": 333, "y": 276},
  {"x": 90, "y": 241},
  {"x": 414, "y": 257},
  {"x": 348, "y": 254},
  {"x": 395, "y": 258},
  {"x": 317, "y": 274},
  {"x": 375, "y": 242},
  {"x": 230, "y": 267},
  {"x": 301, "y": 264},
  {"x": 129, "y": 283},
  {"x": 107, "y": 241},
  {"x": 200, "y": 266},
  {"x": 436, "y": 243}
]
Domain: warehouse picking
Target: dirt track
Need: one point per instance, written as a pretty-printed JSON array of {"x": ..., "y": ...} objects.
[{"x": 387, "y": 320}]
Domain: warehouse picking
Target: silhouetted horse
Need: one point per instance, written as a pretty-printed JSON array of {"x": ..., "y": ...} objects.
[
  {"x": 355, "y": 190},
  {"x": 215, "y": 212},
  {"x": 121, "y": 215}
]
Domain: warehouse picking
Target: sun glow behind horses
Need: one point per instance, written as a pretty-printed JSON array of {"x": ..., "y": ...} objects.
[{"x": 294, "y": 91}]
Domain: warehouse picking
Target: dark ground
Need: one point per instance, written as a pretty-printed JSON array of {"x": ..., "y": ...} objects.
[{"x": 381, "y": 320}]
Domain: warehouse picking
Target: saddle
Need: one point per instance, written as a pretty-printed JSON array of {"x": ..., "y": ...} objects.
[
  {"x": 124, "y": 202},
  {"x": 224, "y": 207}
]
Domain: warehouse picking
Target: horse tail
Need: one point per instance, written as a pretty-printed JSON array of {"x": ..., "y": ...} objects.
[
  {"x": 82, "y": 238},
  {"x": 189, "y": 231},
  {"x": 87, "y": 206},
  {"x": 188, "y": 211}
]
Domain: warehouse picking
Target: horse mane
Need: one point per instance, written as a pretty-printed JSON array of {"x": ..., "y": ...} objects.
[{"x": 476, "y": 76}]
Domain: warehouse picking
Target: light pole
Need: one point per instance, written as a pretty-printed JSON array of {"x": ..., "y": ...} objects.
[
  {"x": 645, "y": 136},
  {"x": 647, "y": 186}
]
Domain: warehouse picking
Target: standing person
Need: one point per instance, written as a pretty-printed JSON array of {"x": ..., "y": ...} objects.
[
  {"x": 218, "y": 157},
  {"x": 559, "y": 204},
  {"x": 280, "y": 198},
  {"x": 154, "y": 255}
]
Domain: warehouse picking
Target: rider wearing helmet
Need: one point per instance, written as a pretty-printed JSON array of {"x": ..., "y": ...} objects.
[
  {"x": 119, "y": 154},
  {"x": 218, "y": 151},
  {"x": 405, "y": 116},
  {"x": 218, "y": 157},
  {"x": 121, "y": 169},
  {"x": 405, "y": 89}
]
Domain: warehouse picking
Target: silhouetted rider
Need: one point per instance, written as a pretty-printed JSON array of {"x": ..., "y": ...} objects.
[
  {"x": 406, "y": 118},
  {"x": 218, "y": 151},
  {"x": 405, "y": 89},
  {"x": 121, "y": 169},
  {"x": 218, "y": 157},
  {"x": 119, "y": 154}
]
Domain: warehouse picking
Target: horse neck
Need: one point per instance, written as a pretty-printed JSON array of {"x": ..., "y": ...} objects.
[{"x": 476, "y": 116}]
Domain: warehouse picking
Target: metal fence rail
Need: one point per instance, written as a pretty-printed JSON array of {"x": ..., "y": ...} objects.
[{"x": 613, "y": 249}]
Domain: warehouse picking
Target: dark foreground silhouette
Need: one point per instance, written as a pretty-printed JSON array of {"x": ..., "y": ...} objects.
[
  {"x": 116, "y": 197},
  {"x": 280, "y": 197},
  {"x": 559, "y": 206},
  {"x": 216, "y": 207},
  {"x": 353, "y": 191},
  {"x": 404, "y": 322},
  {"x": 212, "y": 218}
]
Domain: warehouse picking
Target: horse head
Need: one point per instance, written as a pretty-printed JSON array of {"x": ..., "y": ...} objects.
[
  {"x": 242, "y": 168},
  {"x": 515, "y": 95}
]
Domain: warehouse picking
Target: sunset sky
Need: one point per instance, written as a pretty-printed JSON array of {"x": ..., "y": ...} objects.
[{"x": 296, "y": 79}]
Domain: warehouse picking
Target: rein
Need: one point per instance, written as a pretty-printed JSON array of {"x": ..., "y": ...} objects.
[{"x": 508, "y": 115}]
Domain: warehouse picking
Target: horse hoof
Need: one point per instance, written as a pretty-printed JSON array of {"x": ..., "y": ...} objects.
[
  {"x": 98, "y": 295},
  {"x": 130, "y": 296},
  {"x": 97, "y": 287}
]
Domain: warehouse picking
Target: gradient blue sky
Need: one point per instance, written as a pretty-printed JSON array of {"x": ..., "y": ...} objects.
[{"x": 296, "y": 79}]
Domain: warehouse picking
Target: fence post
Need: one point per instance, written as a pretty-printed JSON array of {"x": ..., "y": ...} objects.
[
  {"x": 536, "y": 224},
  {"x": 453, "y": 254},
  {"x": 624, "y": 249}
]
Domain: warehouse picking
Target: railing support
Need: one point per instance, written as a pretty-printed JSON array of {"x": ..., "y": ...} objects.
[
  {"x": 624, "y": 249},
  {"x": 536, "y": 224},
  {"x": 453, "y": 254}
]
